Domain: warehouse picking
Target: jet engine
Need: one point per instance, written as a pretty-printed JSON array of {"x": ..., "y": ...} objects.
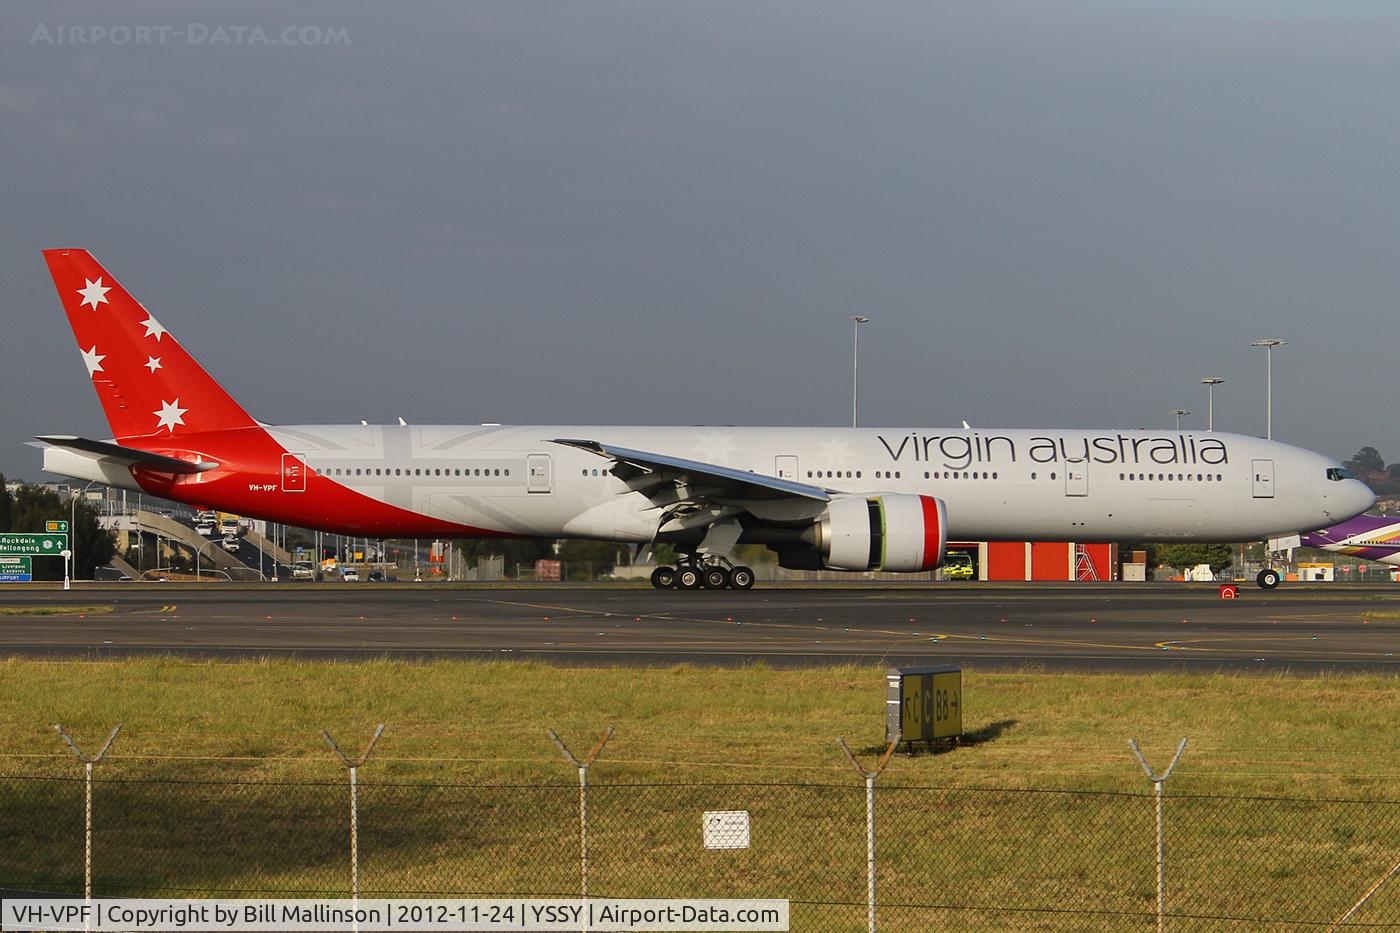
[{"x": 900, "y": 532}]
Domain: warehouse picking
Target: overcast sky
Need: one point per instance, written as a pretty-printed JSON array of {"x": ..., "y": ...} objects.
[{"x": 1056, "y": 214}]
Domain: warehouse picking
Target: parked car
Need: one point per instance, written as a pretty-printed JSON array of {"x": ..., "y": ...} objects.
[
  {"x": 350, "y": 575},
  {"x": 957, "y": 565}
]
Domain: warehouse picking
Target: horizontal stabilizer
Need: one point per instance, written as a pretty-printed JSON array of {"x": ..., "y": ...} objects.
[{"x": 126, "y": 456}]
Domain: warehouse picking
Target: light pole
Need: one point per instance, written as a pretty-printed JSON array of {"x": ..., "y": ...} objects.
[
  {"x": 73, "y": 532},
  {"x": 857, "y": 319},
  {"x": 1210, "y": 382},
  {"x": 1179, "y": 412},
  {"x": 1268, "y": 343}
]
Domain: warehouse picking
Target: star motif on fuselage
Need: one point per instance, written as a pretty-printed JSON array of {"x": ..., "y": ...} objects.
[
  {"x": 94, "y": 293},
  {"x": 153, "y": 328},
  {"x": 715, "y": 447},
  {"x": 169, "y": 415},
  {"x": 93, "y": 360},
  {"x": 152, "y": 363},
  {"x": 834, "y": 452}
]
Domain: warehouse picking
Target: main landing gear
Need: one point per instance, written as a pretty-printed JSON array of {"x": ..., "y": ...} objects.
[
  {"x": 1268, "y": 578},
  {"x": 705, "y": 573}
]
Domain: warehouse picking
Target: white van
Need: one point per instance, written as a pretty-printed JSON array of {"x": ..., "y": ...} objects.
[{"x": 350, "y": 575}]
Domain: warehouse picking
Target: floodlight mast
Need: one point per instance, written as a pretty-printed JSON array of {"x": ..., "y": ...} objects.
[{"x": 1268, "y": 343}]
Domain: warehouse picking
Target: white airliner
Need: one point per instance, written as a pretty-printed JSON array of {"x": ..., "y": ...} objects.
[{"x": 839, "y": 498}]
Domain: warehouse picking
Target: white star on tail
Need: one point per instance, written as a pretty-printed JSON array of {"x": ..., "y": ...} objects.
[
  {"x": 153, "y": 328},
  {"x": 93, "y": 360},
  {"x": 152, "y": 363},
  {"x": 93, "y": 292},
  {"x": 170, "y": 414}
]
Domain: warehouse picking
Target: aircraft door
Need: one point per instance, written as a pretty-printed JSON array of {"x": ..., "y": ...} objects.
[
  {"x": 293, "y": 473},
  {"x": 1076, "y": 479},
  {"x": 539, "y": 473},
  {"x": 785, "y": 467},
  {"x": 1263, "y": 471}
]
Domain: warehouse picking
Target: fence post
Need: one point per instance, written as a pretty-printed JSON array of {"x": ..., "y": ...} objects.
[
  {"x": 1157, "y": 781},
  {"x": 354, "y": 764},
  {"x": 583, "y": 767},
  {"x": 1394, "y": 869},
  {"x": 870, "y": 777},
  {"x": 88, "y": 762}
]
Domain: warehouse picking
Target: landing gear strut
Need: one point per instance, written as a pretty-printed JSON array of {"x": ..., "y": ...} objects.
[{"x": 708, "y": 572}]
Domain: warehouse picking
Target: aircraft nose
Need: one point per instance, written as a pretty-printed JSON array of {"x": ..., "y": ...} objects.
[{"x": 1350, "y": 500}]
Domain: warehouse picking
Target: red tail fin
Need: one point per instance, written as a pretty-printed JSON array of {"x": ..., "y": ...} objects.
[{"x": 148, "y": 385}]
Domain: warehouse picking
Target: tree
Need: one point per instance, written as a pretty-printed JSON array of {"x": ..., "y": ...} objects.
[
  {"x": 587, "y": 560},
  {"x": 515, "y": 551},
  {"x": 33, "y": 505},
  {"x": 7, "y": 504},
  {"x": 1366, "y": 460},
  {"x": 1184, "y": 555}
]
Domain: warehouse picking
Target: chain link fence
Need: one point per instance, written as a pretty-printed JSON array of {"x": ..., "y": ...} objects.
[{"x": 959, "y": 858}]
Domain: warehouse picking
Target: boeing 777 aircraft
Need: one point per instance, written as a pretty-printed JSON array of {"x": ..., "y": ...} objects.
[{"x": 840, "y": 498}]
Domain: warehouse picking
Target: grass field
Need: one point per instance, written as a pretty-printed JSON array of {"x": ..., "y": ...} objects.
[
  {"x": 220, "y": 781},
  {"x": 487, "y": 721}
]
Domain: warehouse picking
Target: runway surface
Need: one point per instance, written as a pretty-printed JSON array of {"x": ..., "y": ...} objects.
[{"x": 1076, "y": 626}]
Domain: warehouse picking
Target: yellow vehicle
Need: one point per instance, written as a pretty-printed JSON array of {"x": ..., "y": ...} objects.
[{"x": 957, "y": 565}]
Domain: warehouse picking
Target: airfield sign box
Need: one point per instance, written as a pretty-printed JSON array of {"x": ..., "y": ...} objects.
[
  {"x": 16, "y": 569},
  {"x": 923, "y": 703},
  {"x": 45, "y": 545}
]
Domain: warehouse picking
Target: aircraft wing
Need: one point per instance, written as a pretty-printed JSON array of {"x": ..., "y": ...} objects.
[
  {"x": 108, "y": 452},
  {"x": 667, "y": 480}
]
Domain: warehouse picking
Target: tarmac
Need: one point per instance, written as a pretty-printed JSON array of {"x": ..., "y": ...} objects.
[{"x": 1083, "y": 627}]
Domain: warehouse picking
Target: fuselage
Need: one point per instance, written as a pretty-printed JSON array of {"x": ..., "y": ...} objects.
[
  {"x": 1369, "y": 537},
  {"x": 440, "y": 480}
]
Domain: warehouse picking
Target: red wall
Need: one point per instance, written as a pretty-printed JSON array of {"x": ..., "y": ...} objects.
[
  {"x": 1050, "y": 560},
  {"x": 1102, "y": 556},
  {"x": 1006, "y": 560}
]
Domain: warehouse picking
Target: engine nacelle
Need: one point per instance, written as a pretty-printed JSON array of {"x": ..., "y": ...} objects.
[{"x": 900, "y": 532}]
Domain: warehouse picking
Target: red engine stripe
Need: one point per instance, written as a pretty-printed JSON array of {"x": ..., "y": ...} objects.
[{"x": 932, "y": 533}]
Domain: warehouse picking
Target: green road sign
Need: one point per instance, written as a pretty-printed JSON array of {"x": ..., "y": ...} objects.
[
  {"x": 14, "y": 545},
  {"x": 16, "y": 569},
  {"x": 53, "y": 526}
]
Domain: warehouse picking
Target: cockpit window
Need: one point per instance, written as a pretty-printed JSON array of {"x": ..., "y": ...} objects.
[{"x": 1337, "y": 474}]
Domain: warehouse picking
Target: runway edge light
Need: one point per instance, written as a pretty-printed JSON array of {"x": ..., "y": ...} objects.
[{"x": 923, "y": 703}]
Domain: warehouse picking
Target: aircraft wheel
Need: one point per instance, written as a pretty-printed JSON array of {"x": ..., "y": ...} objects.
[
  {"x": 741, "y": 578},
  {"x": 663, "y": 578},
  {"x": 716, "y": 578},
  {"x": 1268, "y": 579},
  {"x": 688, "y": 578}
]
